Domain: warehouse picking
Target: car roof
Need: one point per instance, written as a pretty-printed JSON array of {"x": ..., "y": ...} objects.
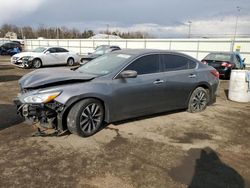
[
  {"x": 226, "y": 53},
  {"x": 146, "y": 51}
]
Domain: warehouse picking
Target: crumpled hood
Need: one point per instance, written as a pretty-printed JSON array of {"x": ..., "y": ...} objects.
[
  {"x": 23, "y": 54},
  {"x": 52, "y": 76}
]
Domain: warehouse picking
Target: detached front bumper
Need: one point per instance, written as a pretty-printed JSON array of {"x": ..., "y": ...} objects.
[
  {"x": 21, "y": 63},
  {"x": 46, "y": 114}
]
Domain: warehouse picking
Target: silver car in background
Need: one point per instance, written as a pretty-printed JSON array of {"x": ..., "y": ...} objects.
[{"x": 119, "y": 85}]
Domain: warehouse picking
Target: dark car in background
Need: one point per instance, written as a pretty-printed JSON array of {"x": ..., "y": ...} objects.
[
  {"x": 224, "y": 62},
  {"x": 116, "y": 86},
  {"x": 10, "y": 48},
  {"x": 99, "y": 51}
]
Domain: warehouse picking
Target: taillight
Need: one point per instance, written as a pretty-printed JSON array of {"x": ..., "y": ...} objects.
[
  {"x": 226, "y": 64},
  {"x": 215, "y": 73},
  {"x": 204, "y": 62}
]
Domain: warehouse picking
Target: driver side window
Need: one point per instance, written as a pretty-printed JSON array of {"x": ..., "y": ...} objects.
[{"x": 145, "y": 65}]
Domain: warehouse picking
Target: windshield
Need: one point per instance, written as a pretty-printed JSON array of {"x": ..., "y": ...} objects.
[
  {"x": 218, "y": 57},
  {"x": 104, "y": 64},
  {"x": 99, "y": 52},
  {"x": 39, "y": 49}
]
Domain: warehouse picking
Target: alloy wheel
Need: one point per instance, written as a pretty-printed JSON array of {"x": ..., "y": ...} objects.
[
  {"x": 90, "y": 118},
  {"x": 71, "y": 62},
  {"x": 199, "y": 101},
  {"x": 37, "y": 63}
]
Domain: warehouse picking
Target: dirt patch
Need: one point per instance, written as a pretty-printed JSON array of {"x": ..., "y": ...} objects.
[
  {"x": 203, "y": 168},
  {"x": 7, "y": 78},
  {"x": 152, "y": 151},
  {"x": 190, "y": 136},
  {"x": 6, "y": 67},
  {"x": 9, "y": 116}
]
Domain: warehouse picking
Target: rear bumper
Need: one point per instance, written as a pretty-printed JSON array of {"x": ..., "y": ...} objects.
[{"x": 225, "y": 73}]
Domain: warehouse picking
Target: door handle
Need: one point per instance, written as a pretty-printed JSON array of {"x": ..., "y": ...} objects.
[
  {"x": 192, "y": 76},
  {"x": 158, "y": 81}
]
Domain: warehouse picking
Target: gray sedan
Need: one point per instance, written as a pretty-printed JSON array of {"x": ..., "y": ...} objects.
[{"x": 117, "y": 86}]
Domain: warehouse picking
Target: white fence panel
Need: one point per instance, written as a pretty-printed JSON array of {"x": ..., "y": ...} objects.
[
  {"x": 184, "y": 46},
  {"x": 158, "y": 45},
  {"x": 136, "y": 43},
  {"x": 197, "y": 48},
  {"x": 215, "y": 46}
]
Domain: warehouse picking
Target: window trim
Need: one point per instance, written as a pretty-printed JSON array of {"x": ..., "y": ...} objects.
[
  {"x": 60, "y": 50},
  {"x": 50, "y": 49},
  {"x": 180, "y": 55},
  {"x": 160, "y": 61},
  {"x": 133, "y": 60}
]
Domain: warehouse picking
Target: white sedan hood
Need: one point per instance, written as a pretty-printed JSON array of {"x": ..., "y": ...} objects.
[{"x": 22, "y": 54}]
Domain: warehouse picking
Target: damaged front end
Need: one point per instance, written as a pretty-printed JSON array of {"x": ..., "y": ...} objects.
[
  {"x": 39, "y": 95},
  {"x": 40, "y": 107},
  {"x": 22, "y": 62}
]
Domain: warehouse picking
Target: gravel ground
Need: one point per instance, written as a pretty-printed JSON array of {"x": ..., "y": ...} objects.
[{"x": 174, "y": 149}]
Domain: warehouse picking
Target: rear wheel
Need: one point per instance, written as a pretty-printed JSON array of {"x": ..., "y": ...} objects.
[
  {"x": 85, "y": 117},
  {"x": 37, "y": 63},
  {"x": 198, "y": 100}
]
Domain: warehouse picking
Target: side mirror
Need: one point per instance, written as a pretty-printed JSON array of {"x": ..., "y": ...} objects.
[
  {"x": 47, "y": 52},
  {"x": 244, "y": 60},
  {"x": 128, "y": 74}
]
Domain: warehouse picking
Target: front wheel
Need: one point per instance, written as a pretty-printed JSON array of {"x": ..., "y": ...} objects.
[
  {"x": 85, "y": 117},
  {"x": 37, "y": 63},
  {"x": 198, "y": 100}
]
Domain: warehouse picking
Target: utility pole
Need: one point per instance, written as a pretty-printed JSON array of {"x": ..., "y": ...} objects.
[
  {"x": 189, "y": 29},
  {"x": 236, "y": 27},
  {"x": 108, "y": 33},
  {"x": 57, "y": 33},
  {"x": 236, "y": 22},
  {"x": 22, "y": 33},
  {"x": 108, "y": 30}
]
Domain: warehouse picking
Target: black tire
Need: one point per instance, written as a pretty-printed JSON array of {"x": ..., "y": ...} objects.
[
  {"x": 37, "y": 63},
  {"x": 85, "y": 117},
  {"x": 70, "y": 61},
  {"x": 198, "y": 100}
]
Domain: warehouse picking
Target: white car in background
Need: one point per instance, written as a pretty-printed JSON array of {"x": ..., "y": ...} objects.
[{"x": 43, "y": 56}]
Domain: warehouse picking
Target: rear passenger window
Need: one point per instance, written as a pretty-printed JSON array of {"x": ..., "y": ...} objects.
[
  {"x": 191, "y": 64},
  {"x": 176, "y": 62},
  {"x": 62, "y": 50},
  {"x": 145, "y": 65}
]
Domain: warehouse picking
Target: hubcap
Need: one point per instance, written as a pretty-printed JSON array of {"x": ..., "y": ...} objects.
[
  {"x": 90, "y": 118},
  {"x": 71, "y": 62},
  {"x": 199, "y": 101},
  {"x": 37, "y": 64}
]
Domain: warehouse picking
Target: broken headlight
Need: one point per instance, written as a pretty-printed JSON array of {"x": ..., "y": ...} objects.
[{"x": 42, "y": 97}]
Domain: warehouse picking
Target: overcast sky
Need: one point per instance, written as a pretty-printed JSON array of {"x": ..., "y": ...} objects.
[{"x": 163, "y": 18}]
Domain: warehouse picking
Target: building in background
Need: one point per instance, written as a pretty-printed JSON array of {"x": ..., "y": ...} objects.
[{"x": 10, "y": 35}]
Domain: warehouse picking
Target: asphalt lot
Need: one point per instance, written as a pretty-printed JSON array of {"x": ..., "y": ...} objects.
[{"x": 175, "y": 149}]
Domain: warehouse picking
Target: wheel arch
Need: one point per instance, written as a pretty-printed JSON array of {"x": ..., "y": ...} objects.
[
  {"x": 70, "y": 57},
  {"x": 204, "y": 85},
  {"x": 71, "y": 102},
  {"x": 38, "y": 59}
]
